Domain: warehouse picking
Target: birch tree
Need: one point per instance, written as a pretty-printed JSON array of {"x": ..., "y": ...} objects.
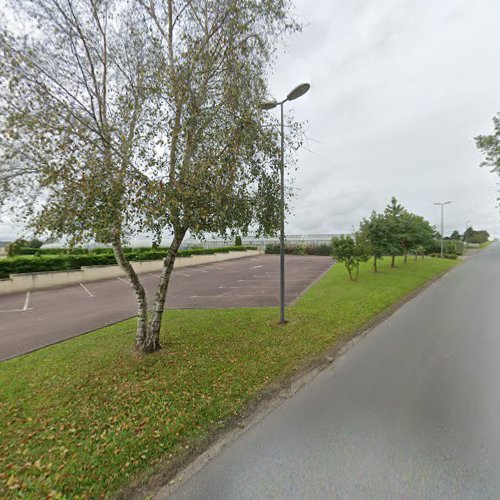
[{"x": 125, "y": 116}]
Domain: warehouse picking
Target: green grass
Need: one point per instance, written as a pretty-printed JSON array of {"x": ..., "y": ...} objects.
[
  {"x": 485, "y": 244},
  {"x": 79, "y": 418}
]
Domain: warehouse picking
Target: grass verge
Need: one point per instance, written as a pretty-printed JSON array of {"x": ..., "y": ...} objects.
[{"x": 80, "y": 418}]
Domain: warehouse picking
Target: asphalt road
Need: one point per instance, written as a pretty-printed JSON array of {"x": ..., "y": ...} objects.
[
  {"x": 33, "y": 320},
  {"x": 411, "y": 411}
]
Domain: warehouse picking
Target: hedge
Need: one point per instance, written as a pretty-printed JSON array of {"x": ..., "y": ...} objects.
[
  {"x": 27, "y": 264},
  {"x": 300, "y": 249},
  {"x": 452, "y": 256}
]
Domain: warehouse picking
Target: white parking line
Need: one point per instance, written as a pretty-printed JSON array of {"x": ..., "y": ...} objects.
[
  {"x": 25, "y": 307},
  {"x": 124, "y": 280},
  {"x": 154, "y": 275},
  {"x": 256, "y": 267},
  {"x": 27, "y": 301},
  {"x": 228, "y": 287},
  {"x": 182, "y": 274},
  {"x": 87, "y": 290}
]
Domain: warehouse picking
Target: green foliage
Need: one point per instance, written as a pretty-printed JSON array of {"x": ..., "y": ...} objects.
[
  {"x": 351, "y": 252},
  {"x": 479, "y": 237},
  {"x": 45, "y": 263},
  {"x": 473, "y": 236},
  {"x": 449, "y": 247},
  {"x": 375, "y": 231},
  {"x": 395, "y": 232},
  {"x": 237, "y": 241},
  {"x": 455, "y": 235},
  {"x": 489, "y": 145},
  {"x": 300, "y": 249},
  {"x": 81, "y": 418},
  {"x": 452, "y": 256},
  {"x": 16, "y": 246}
]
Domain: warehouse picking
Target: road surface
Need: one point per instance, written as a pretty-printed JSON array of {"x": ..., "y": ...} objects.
[
  {"x": 29, "y": 321},
  {"x": 411, "y": 411}
]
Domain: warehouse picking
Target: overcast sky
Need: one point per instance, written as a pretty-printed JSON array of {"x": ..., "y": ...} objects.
[{"x": 399, "y": 90}]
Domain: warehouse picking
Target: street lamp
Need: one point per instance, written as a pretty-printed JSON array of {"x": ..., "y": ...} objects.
[
  {"x": 443, "y": 203},
  {"x": 297, "y": 92}
]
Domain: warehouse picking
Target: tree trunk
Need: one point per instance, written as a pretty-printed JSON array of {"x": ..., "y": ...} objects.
[
  {"x": 393, "y": 262},
  {"x": 357, "y": 272},
  {"x": 152, "y": 341},
  {"x": 375, "y": 264},
  {"x": 416, "y": 255},
  {"x": 350, "y": 273},
  {"x": 406, "y": 256},
  {"x": 142, "y": 304}
]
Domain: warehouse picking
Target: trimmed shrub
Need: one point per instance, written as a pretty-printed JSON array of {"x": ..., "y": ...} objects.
[
  {"x": 300, "y": 249},
  {"x": 452, "y": 256},
  {"x": 44, "y": 263}
]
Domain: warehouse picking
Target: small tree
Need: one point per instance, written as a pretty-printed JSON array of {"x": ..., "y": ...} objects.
[
  {"x": 417, "y": 232},
  {"x": 375, "y": 231},
  {"x": 394, "y": 215},
  {"x": 351, "y": 252},
  {"x": 237, "y": 241}
]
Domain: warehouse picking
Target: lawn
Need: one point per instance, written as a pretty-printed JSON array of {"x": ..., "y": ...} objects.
[
  {"x": 80, "y": 418},
  {"x": 485, "y": 244}
]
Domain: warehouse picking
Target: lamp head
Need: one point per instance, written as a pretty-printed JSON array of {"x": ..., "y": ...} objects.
[{"x": 298, "y": 91}]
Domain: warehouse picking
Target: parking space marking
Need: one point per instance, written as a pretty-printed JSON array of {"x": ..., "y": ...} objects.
[
  {"x": 25, "y": 307},
  {"x": 256, "y": 267},
  {"x": 182, "y": 274},
  {"x": 90, "y": 294},
  {"x": 228, "y": 287},
  {"x": 27, "y": 301},
  {"x": 124, "y": 280},
  {"x": 154, "y": 275}
]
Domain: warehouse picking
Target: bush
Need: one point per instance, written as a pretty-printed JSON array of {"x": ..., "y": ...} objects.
[
  {"x": 449, "y": 246},
  {"x": 237, "y": 241},
  {"x": 45, "y": 263},
  {"x": 351, "y": 252},
  {"x": 300, "y": 249},
  {"x": 452, "y": 256}
]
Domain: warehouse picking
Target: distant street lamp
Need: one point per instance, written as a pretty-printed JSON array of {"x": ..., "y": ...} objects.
[
  {"x": 297, "y": 92},
  {"x": 443, "y": 203}
]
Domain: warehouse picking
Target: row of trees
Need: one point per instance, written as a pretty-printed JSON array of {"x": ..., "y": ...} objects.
[
  {"x": 470, "y": 236},
  {"x": 127, "y": 116},
  {"x": 393, "y": 232}
]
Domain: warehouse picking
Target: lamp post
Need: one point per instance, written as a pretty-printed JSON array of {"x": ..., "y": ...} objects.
[
  {"x": 297, "y": 92},
  {"x": 443, "y": 203}
]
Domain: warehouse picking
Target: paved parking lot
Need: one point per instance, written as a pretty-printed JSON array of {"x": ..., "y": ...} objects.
[{"x": 32, "y": 320}]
